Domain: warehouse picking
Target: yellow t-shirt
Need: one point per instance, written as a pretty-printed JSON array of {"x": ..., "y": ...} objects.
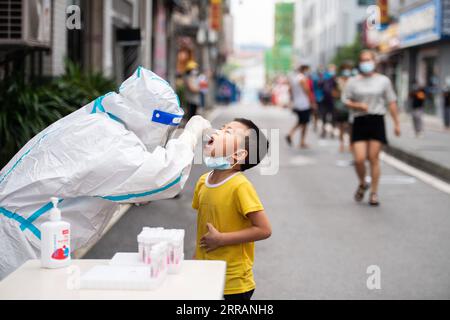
[{"x": 226, "y": 206}]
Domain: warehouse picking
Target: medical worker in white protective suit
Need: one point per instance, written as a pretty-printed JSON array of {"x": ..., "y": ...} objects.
[{"x": 113, "y": 150}]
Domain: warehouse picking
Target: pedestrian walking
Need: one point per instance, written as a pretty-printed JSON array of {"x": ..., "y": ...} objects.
[
  {"x": 192, "y": 93},
  {"x": 341, "y": 112},
  {"x": 203, "y": 86},
  {"x": 301, "y": 94},
  {"x": 447, "y": 108},
  {"x": 418, "y": 96},
  {"x": 318, "y": 79},
  {"x": 329, "y": 86},
  {"x": 312, "y": 98},
  {"x": 367, "y": 95}
]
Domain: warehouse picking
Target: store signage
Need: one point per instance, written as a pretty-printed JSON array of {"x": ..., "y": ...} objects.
[
  {"x": 216, "y": 14},
  {"x": 160, "y": 42},
  {"x": 446, "y": 17},
  {"x": 384, "y": 11},
  {"x": 421, "y": 24},
  {"x": 389, "y": 39}
]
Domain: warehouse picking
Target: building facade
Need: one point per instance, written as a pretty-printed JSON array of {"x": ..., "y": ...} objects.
[
  {"x": 322, "y": 26},
  {"x": 420, "y": 30},
  {"x": 279, "y": 58},
  {"x": 113, "y": 36}
]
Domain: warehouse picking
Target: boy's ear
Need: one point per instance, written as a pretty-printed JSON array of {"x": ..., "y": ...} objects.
[{"x": 241, "y": 155}]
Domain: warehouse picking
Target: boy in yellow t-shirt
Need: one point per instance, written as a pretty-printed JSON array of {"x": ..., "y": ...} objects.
[{"x": 230, "y": 214}]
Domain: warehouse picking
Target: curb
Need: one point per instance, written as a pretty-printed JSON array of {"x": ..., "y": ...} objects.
[{"x": 425, "y": 165}]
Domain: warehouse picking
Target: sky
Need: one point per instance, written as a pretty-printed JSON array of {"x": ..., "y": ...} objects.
[{"x": 253, "y": 22}]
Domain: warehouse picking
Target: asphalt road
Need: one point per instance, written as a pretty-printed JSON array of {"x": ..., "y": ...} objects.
[{"x": 322, "y": 241}]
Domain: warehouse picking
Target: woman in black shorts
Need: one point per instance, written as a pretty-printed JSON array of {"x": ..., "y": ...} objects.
[{"x": 368, "y": 95}]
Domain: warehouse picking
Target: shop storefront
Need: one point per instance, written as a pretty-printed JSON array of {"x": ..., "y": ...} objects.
[
  {"x": 391, "y": 57},
  {"x": 426, "y": 47}
]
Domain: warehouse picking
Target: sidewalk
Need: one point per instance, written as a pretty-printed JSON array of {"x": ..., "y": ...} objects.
[{"x": 430, "y": 153}]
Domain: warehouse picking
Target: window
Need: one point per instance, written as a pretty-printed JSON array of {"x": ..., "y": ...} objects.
[{"x": 366, "y": 2}]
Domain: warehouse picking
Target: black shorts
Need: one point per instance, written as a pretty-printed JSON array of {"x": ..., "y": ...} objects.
[
  {"x": 341, "y": 116},
  {"x": 303, "y": 116},
  {"x": 240, "y": 296},
  {"x": 369, "y": 127}
]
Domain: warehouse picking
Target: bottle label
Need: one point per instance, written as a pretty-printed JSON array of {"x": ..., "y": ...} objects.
[{"x": 61, "y": 245}]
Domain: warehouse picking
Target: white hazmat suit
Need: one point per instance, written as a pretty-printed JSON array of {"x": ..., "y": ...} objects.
[{"x": 113, "y": 150}]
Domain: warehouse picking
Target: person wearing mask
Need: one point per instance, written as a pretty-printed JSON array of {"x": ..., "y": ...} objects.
[
  {"x": 317, "y": 79},
  {"x": 368, "y": 95},
  {"x": 300, "y": 90},
  {"x": 117, "y": 149},
  {"x": 192, "y": 89},
  {"x": 203, "y": 86},
  {"x": 341, "y": 112},
  {"x": 329, "y": 87},
  {"x": 446, "y": 97},
  {"x": 418, "y": 97},
  {"x": 312, "y": 98}
]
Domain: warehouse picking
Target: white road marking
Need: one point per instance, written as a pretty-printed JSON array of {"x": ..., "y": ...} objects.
[
  {"x": 327, "y": 143},
  {"x": 423, "y": 176},
  {"x": 301, "y": 161},
  {"x": 397, "y": 179},
  {"x": 344, "y": 163}
]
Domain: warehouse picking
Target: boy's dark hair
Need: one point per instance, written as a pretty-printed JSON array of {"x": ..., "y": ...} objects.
[{"x": 256, "y": 145}]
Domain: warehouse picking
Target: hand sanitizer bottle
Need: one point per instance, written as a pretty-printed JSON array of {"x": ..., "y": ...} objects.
[{"x": 55, "y": 240}]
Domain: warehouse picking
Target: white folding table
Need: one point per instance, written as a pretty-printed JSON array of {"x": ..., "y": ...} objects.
[{"x": 198, "y": 280}]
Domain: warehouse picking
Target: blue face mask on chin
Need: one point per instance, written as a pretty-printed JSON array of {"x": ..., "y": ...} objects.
[{"x": 218, "y": 163}]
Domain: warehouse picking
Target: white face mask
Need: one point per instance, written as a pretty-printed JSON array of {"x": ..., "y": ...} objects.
[
  {"x": 367, "y": 66},
  {"x": 347, "y": 73},
  {"x": 218, "y": 163}
]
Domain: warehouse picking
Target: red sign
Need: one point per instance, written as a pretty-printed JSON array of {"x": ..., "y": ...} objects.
[{"x": 216, "y": 14}]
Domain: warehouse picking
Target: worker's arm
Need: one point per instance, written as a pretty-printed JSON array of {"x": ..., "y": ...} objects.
[
  {"x": 259, "y": 230},
  {"x": 162, "y": 173}
]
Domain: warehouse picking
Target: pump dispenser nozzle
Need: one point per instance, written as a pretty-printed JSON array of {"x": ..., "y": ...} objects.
[{"x": 55, "y": 213}]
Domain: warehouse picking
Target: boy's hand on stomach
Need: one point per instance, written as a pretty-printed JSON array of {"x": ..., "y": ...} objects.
[{"x": 212, "y": 239}]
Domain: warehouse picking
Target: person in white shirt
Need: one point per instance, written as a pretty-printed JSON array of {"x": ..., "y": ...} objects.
[{"x": 301, "y": 94}]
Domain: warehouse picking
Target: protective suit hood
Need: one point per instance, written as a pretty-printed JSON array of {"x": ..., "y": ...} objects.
[{"x": 146, "y": 105}]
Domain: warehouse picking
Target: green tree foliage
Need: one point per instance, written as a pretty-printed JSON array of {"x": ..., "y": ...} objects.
[
  {"x": 350, "y": 52},
  {"x": 26, "y": 109}
]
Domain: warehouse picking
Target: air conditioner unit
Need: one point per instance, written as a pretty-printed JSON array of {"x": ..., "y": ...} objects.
[{"x": 25, "y": 23}]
